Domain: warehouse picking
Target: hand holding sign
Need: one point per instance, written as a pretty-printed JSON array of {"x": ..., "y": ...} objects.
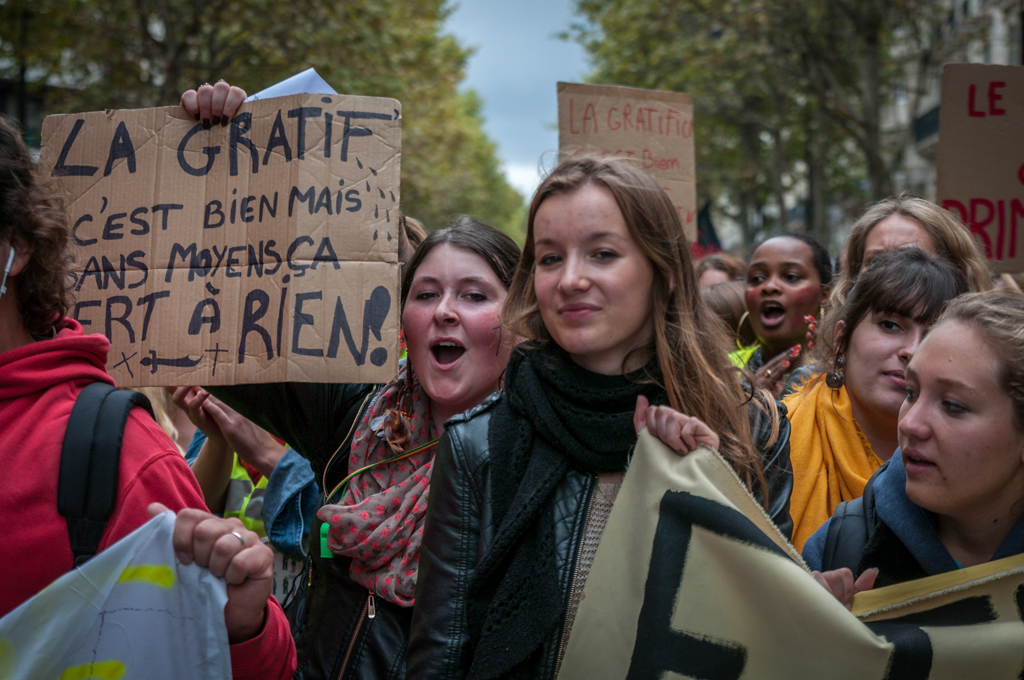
[
  {"x": 232, "y": 552},
  {"x": 213, "y": 104},
  {"x": 679, "y": 432},
  {"x": 840, "y": 583}
]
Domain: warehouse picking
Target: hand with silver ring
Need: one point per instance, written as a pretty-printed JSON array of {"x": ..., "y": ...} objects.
[{"x": 248, "y": 570}]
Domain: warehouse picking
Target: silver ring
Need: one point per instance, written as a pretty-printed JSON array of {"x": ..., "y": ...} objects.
[
  {"x": 239, "y": 537},
  {"x": 768, "y": 373}
]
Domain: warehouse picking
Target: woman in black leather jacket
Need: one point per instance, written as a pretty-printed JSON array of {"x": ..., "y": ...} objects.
[
  {"x": 353, "y": 620},
  {"x": 619, "y": 338}
]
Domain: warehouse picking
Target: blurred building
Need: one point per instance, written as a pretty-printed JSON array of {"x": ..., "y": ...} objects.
[{"x": 974, "y": 31}]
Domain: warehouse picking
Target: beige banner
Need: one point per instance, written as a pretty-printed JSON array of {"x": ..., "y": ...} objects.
[{"x": 691, "y": 579}]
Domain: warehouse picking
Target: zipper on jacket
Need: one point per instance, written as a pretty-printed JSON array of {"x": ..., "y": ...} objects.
[
  {"x": 575, "y": 575},
  {"x": 369, "y": 612}
]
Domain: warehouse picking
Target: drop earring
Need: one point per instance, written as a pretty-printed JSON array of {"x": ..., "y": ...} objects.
[{"x": 835, "y": 378}]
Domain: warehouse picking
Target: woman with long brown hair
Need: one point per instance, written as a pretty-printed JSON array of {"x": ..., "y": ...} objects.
[{"x": 618, "y": 338}]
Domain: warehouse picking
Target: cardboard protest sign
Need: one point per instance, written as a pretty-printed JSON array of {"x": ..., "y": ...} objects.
[
  {"x": 261, "y": 251},
  {"x": 691, "y": 579},
  {"x": 652, "y": 128},
  {"x": 981, "y": 157}
]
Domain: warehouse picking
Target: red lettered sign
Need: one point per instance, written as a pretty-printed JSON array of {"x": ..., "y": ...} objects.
[
  {"x": 653, "y": 129},
  {"x": 981, "y": 157}
]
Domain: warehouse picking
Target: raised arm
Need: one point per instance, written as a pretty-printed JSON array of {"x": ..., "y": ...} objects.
[{"x": 312, "y": 418}]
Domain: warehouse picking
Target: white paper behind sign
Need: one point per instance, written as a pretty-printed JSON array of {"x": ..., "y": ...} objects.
[{"x": 306, "y": 82}]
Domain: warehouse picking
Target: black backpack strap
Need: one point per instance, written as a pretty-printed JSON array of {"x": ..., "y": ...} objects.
[
  {"x": 847, "y": 535},
  {"x": 90, "y": 463},
  {"x": 850, "y": 529}
]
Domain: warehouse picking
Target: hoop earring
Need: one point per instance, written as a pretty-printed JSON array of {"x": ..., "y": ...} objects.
[
  {"x": 835, "y": 378},
  {"x": 739, "y": 326}
]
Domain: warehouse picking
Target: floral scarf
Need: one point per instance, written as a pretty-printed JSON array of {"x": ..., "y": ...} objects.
[{"x": 379, "y": 521}]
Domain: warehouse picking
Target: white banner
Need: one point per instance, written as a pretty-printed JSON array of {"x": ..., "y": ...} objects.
[{"x": 132, "y": 611}]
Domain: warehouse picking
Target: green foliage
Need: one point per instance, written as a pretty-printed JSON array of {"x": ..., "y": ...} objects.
[
  {"x": 466, "y": 179},
  {"x": 788, "y": 94},
  {"x": 139, "y": 53}
]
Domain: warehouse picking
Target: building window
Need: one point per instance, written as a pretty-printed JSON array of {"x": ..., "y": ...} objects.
[{"x": 1013, "y": 36}]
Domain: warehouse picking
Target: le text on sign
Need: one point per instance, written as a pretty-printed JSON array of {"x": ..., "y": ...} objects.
[{"x": 981, "y": 157}]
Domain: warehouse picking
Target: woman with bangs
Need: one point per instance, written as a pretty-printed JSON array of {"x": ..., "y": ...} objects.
[
  {"x": 372, "y": 446},
  {"x": 844, "y": 419},
  {"x": 617, "y": 339}
]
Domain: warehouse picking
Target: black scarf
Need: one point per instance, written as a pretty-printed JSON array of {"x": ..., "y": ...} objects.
[{"x": 555, "y": 416}]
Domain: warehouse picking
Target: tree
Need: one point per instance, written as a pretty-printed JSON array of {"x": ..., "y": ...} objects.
[
  {"x": 138, "y": 53},
  {"x": 789, "y": 94},
  {"x": 747, "y": 105}
]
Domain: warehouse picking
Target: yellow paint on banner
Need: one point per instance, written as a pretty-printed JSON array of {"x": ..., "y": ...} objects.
[
  {"x": 157, "y": 574},
  {"x": 6, "y": 659},
  {"x": 871, "y": 601},
  {"x": 104, "y": 670}
]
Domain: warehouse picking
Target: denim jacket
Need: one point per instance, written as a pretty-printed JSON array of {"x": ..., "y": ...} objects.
[
  {"x": 289, "y": 500},
  {"x": 289, "y": 504}
]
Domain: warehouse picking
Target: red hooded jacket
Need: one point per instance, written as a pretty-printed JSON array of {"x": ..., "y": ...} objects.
[{"x": 38, "y": 386}]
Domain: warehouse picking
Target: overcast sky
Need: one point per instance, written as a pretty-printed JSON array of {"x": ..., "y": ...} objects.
[{"x": 518, "y": 61}]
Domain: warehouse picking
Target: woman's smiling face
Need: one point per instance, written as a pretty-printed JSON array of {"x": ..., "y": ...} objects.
[
  {"x": 452, "y": 327},
  {"x": 594, "y": 285}
]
